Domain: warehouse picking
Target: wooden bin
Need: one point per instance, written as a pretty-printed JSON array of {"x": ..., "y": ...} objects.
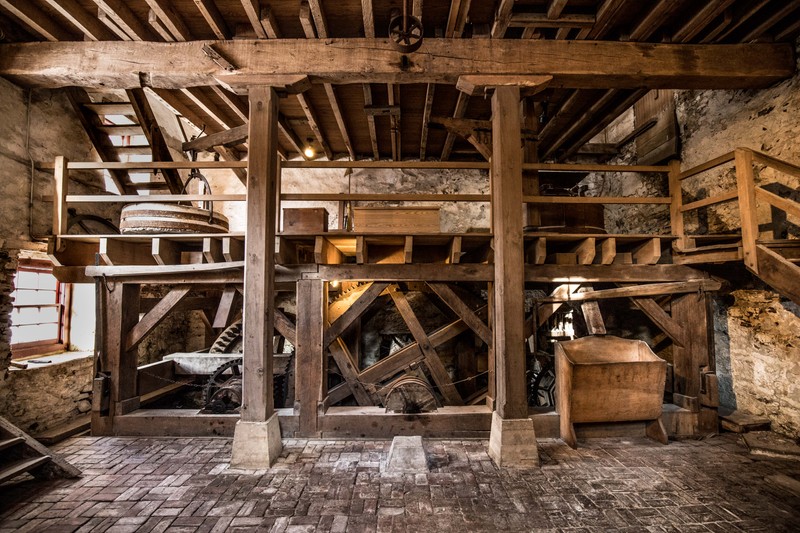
[
  {"x": 404, "y": 220},
  {"x": 305, "y": 220},
  {"x": 609, "y": 379}
]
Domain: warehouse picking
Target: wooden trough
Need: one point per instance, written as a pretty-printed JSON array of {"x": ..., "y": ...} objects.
[{"x": 609, "y": 379}]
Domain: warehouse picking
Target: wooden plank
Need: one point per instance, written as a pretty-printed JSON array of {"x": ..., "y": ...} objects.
[
  {"x": 349, "y": 370},
  {"x": 692, "y": 312},
  {"x": 537, "y": 251},
  {"x": 173, "y": 21},
  {"x": 459, "y": 112},
  {"x": 232, "y": 249},
  {"x": 502, "y": 18},
  {"x": 608, "y": 251},
  {"x": 155, "y": 316},
  {"x": 61, "y": 189},
  {"x": 120, "y": 315},
  {"x": 432, "y": 360},
  {"x": 259, "y": 268},
  {"x": 313, "y": 123},
  {"x": 212, "y": 250},
  {"x": 711, "y": 200},
  {"x": 325, "y": 253},
  {"x": 426, "y": 117},
  {"x": 310, "y": 354},
  {"x": 356, "y": 309},
  {"x": 253, "y": 11},
  {"x": 361, "y": 250},
  {"x": 454, "y": 256},
  {"x": 635, "y": 291},
  {"x": 585, "y": 251},
  {"x": 122, "y": 15},
  {"x": 408, "y": 249},
  {"x": 269, "y": 22},
  {"x": 784, "y": 204},
  {"x": 745, "y": 185},
  {"x": 506, "y": 189},
  {"x": 592, "y": 315},
  {"x": 462, "y": 310},
  {"x": 708, "y": 165},
  {"x": 115, "y": 252},
  {"x": 285, "y": 327}
]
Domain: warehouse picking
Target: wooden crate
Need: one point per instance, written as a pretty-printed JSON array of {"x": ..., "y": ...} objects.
[
  {"x": 305, "y": 220},
  {"x": 404, "y": 220}
]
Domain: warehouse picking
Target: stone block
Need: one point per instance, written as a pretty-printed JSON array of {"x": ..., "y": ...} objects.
[
  {"x": 256, "y": 445},
  {"x": 407, "y": 455},
  {"x": 512, "y": 442}
]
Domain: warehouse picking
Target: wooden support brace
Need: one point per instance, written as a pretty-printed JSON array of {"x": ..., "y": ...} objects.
[
  {"x": 648, "y": 253},
  {"x": 537, "y": 251},
  {"x": 325, "y": 253},
  {"x": 408, "y": 249},
  {"x": 462, "y": 310},
  {"x": 454, "y": 256},
  {"x": 226, "y": 308},
  {"x": 361, "y": 250},
  {"x": 356, "y": 309},
  {"x": 349, "y": 371},
  {"x": 232, "y": 249},
  {"x": 165, "y": 251},
  {"x": 115, "y": 252},
  {"x": 585, "y": 251},
  {"x": 212, "y": 250},
  {"x": 155, "y": 316},
  {"x": 607, "y": 251}
]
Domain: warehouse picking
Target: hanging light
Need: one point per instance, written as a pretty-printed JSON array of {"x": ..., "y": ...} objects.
[{"x": 308, "y": 150}]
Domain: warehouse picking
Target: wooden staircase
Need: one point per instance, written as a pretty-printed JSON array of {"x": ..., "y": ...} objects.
[
  {"x": 774, "y": 261},
  {"x": 20, "y": 453}
]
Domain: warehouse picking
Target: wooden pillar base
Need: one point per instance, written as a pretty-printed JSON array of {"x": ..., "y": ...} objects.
[
  {"x": 512, "y": 442},
  {"x": 256, "y": 445}
]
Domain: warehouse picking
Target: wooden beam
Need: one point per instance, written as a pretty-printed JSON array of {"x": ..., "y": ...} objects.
[
  {"x": 459, "y": 112},
  {"x": 575, "y": 64},
  {"x": 200, "y": 100},
  {"x": 555, "y": 8},
  {"x": 369, "y": 18},
  {"x": 120, "y": 315},
  {"x": 173, "y": 21},
  {"x": 229, "y": 137},
  {"x": 310, "y": 354},
  {"x": 475, "y": 84},
  {"x": 259, "y": 269},
  {"x": 509, "y": 284},
  {"x": 654, "y": 19},
  {"x": 638, "y": 291},
  {"x": 253, "y": 10},
  {"x": 269, "y": 23},
  {"x": 426, "y": 116},
  {"x": 319, "y": 18},
  {"x": 661, "y": 319},
  {"x": 152, "y": 131},
  {"x": 36, "y": 19},
  {"x": 432, "y": 360},
  {"x": 780, "y": 14},
  {"x": 208, "y": 9},
  {"x": 541, "y": 20},
  {"x": 457, "y": 19},
  {"x": 607, "y": 13},
  {"x": 373, "y": 136},
  {"x": 87, "y": 23},
  {"x": 122, "y": 15},
  {"x": 460, "y": 308},
  {"x": 502, "y": 18},
  {"x": 358, "y": 308},
  {"x": 697, "y": 23},
  {"x": 349, "y": 371},
  {"x": 313, "y": 123},
  {"x": 286, "y": 130},
  {"x": 393, "y": 91},
  {"x": 465, "y": 128},
  {"x": 155, "y": 316}
]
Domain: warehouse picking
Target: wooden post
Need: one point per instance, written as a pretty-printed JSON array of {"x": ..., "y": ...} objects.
[
  {"x": 61, "y": 188},
  {"x": 692, "y": 312},
  {"x": 256, "y": 442},
  {"x": 745, "y": 183},
  {"x": 311, "y": 311},
  {"x": 512, "y": 440},
  {"x": 509, "y": 281},
  {"x": 530, "y": 144},
  {"x": 676, "y": 197},
  {"x": 121, "y": 315}
]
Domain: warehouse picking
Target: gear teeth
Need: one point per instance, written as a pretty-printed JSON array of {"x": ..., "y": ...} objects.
[{"x": 227, "y": 338}]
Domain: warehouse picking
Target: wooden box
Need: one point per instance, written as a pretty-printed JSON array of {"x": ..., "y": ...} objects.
[
  {"x": 404, "y": 220},
  {"x": 609, "y": 379},
  {"x": 305, "y": 220}
]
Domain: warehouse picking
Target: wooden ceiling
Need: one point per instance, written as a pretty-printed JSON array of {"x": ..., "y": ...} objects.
[{"x": 379, "y": 120}]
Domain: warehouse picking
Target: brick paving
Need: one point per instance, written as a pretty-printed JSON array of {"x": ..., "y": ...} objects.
[{"x": 183, "y": 485}]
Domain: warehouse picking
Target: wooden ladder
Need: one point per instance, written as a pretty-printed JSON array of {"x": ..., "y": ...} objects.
[{"x": 20, "y": 453}]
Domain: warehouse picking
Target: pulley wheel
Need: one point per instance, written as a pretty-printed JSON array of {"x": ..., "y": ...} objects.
[{"x": 405, "y": 33}]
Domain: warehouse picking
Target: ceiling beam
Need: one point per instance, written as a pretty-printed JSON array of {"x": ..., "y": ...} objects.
[
  {"x": 312, "y": 18},
  {"x": 555, "y": 8},
  {"x": 173, "y": 22},
  {"x": 393, "y": 92},
  {"x": 743, "y": 16},
  {"x": 655, "y": 17},
  {"x": 459, "y": 112},
  {"x": 586, "y": 117},
  {"x": 541, "y": 20},
  {"x": 200, "y": 100},
  {"x": 502, "y": 18},
  {"x": 269, "y": 23},
  {"x": 369, "y": 33},
  {"x": 87, "y": 23},
  {"x": 286, "y": 129},
  {"x": 574, "y": 64},
  {"x": 700, "y": 20},
  {"x": 112, "y": 26},
  {"x": 426, "y": 117},
  {"x": 606, "y": 15},
  {"x": 369, "y": 18},
  {"x": 253, "y": 10},
  {"x": 36, "y": 19},
  {"x": 313, "y": 123},
  {"x": 234, "y": 103},
  {"x": 214, "y": 18},
  {"x": 457, "y": 19},
  {"x": 771, "y": 20},
  {"x": 122, "y": 15}
]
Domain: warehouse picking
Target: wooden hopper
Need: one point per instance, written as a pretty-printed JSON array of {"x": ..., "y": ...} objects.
[{"x": 609, "y": 379}]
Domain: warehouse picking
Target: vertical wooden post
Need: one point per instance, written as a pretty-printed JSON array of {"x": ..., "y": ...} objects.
[
  {"x": 490, "y": 364},
  {"x": 692, "y": 312},
  {"x": 676, "y": 202},
  {"x": 257, "y": 439},
  {"x": 61, "y": 189},
  {"x": 512, "y": 440},
  {"x": 530, "y": 144},
  {"x": 745, "y": 183},
  {"x": 509, "y": 280},
  {"x": 310, "y": 354},
  {"x": 121, "y": 315}
]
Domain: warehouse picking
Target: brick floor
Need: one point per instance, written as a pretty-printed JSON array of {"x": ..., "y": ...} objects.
[{"x": 183, "y": 485}]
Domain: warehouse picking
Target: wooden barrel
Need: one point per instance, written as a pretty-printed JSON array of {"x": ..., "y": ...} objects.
[{"x": 151, "y": 218}]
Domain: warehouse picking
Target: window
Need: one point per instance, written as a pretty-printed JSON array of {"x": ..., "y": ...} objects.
[{"x": 40, "y": 303}]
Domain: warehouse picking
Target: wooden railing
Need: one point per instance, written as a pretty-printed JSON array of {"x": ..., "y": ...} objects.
[
  {"x": 747, "y": 193},
  {"x": 62, "y": 198}
]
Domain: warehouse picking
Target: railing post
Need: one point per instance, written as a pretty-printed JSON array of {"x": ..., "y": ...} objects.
[
  {"x": 745, "y": 184},
  {"x": 676, "y": 196},
  {"x": 61, "y": 186}
]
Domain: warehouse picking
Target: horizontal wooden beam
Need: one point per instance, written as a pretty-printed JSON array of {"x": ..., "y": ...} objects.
[{"x": 576, "y": 64}]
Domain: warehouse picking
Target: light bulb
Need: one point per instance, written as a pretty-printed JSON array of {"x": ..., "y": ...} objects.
[{"x": 309, "y": 151}]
